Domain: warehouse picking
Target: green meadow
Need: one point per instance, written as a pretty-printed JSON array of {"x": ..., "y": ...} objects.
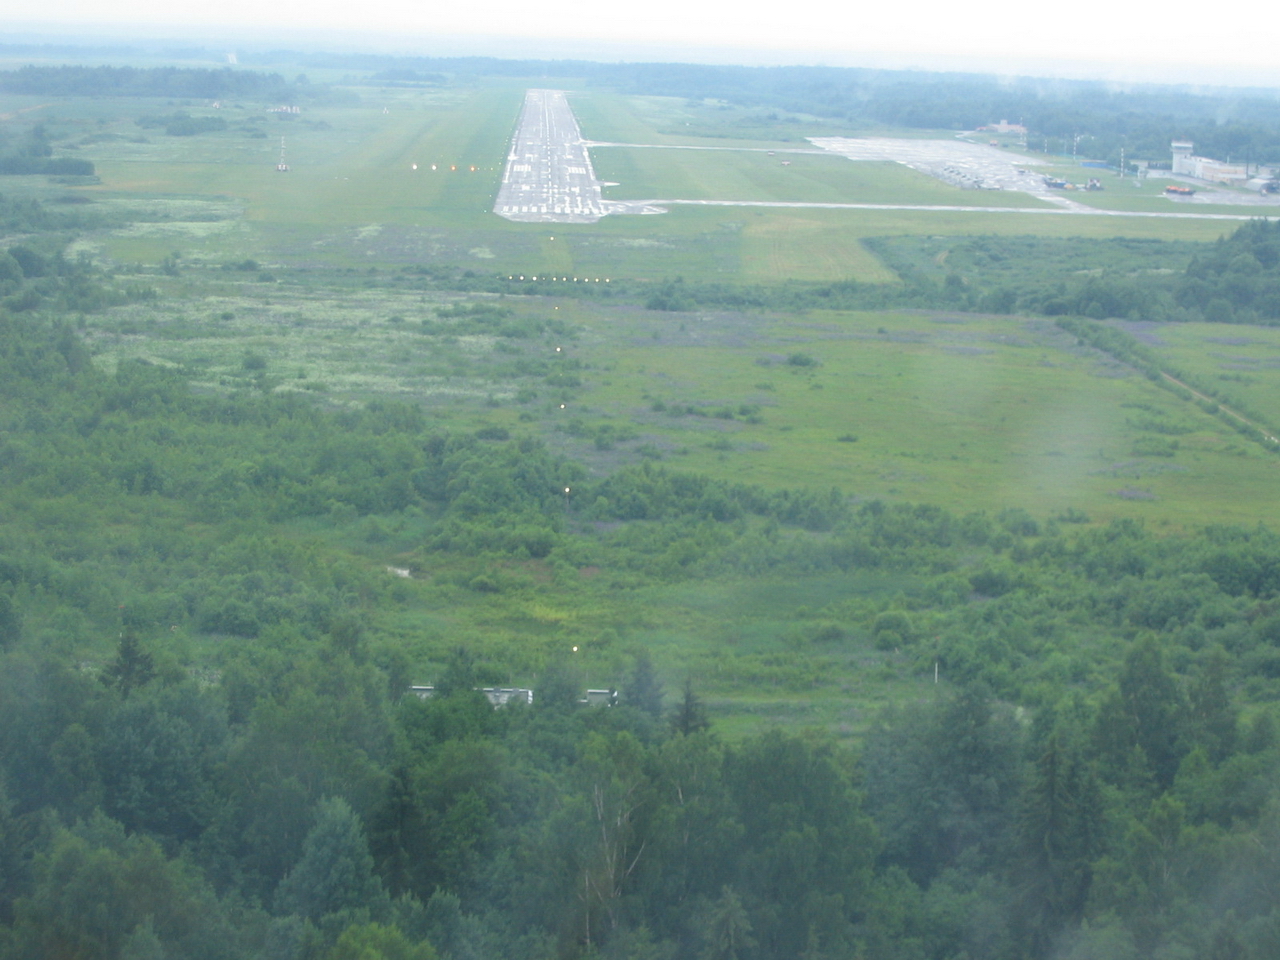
[
  {"x": 1239, "y": 362},
  {"x": 969, "y": 412},
  {"x": 727, "y": 174},
  {"x": 965, "y": 411},
  {"x": 353, "y": 197},
  {"x": 973, "y": 413}
]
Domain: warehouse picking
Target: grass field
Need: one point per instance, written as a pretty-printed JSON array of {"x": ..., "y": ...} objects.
[
  {"x": 353, "y": 199},
  {"x": 970, "y": 412},
  {"x": 742, "y": 175},
  {"x": 1241, "y": 362},
  {"x": 611, "y": 118},
  {"x": 967, "y": 412}
]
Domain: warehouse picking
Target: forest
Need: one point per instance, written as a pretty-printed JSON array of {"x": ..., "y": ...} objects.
[
  {"x": 111, "y": 81},
  {"x": 209, "y": 747},
  {"x": 33, "y": 154}
]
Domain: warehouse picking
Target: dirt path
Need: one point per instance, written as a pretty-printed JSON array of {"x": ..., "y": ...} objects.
[
  {"x": 1221, "y": 406},
  {"x": 14, "y": 114}
]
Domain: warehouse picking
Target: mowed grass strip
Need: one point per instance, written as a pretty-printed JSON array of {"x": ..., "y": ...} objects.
[
  {"x": 796, "y": 245},
  {"x": 614, "y": 118},
  {"x": 353, "y": 166},
  {"x": 690, "y": 174}
]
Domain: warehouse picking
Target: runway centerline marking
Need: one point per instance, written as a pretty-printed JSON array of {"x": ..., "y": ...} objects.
[{"x": 548, "y": 177}]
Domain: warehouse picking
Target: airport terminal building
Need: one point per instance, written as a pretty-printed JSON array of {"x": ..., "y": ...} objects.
[{"x": 1188, "y": 164}]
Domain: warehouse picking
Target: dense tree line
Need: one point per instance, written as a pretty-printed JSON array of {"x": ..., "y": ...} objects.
[
  {"x": 50, "y": 166},
  {"x": 181, "y": 123},
  {"x": 31, "y": 216},
  {"x": 1234, "y": 280},
  {"x": 176, "y": 82},
  {"x": 1140, "y": 118},
  {"x": 33, "y": 154},
  {"x": 35, "y": 275}
]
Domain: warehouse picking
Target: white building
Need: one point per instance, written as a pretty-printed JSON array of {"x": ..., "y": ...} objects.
[
  {"x": 1188, "y": 164},
  {"x": 1004, "y": 126}
]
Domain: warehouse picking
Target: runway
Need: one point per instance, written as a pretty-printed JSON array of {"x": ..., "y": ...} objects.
[{"x": 548, "y": 177}]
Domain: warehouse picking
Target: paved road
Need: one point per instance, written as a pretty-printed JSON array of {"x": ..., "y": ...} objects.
[
  {"x": 548, "y": 178},
  {"x": 1076, "y": 209},
  {"x": 958, "y": 162},
  {"x": 687, "y": 146}
]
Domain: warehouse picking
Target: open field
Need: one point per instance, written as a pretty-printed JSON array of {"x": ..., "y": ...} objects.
[
  {"x": 677, "y": 121},
  {"x": 353, "y": 199},
  {"x": 969, "y": 412},
  {"x": 1241, "y": 362},
  {"x": 742, "y": 175},
  {"x": 963, "y": 411}
]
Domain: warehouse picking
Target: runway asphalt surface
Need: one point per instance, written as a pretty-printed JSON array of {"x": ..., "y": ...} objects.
[{"x": 549, "y": 177}]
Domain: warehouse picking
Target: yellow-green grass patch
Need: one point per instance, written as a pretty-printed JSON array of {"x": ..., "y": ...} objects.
[{"x": 970, "y": 413}]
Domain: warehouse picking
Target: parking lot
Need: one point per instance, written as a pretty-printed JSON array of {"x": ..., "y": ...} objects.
[{"x": 958, "y": 162}]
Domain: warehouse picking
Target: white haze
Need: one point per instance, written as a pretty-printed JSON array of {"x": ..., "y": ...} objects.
[{"x": 1085, "y": 39}]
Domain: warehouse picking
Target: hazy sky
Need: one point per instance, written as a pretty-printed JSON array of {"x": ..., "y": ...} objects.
[{"x": 1122, "y": 39}]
